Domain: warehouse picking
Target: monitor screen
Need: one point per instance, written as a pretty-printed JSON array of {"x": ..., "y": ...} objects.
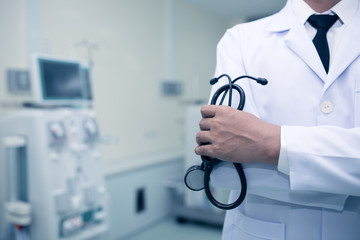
[{"x": 61, "y": 80}]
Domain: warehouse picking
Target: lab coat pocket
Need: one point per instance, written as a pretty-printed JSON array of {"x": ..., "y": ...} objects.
[{"x": 248, "y": 228}]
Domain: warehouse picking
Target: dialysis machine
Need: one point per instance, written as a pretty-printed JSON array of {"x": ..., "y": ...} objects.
[{"x": 51, "y": 184}]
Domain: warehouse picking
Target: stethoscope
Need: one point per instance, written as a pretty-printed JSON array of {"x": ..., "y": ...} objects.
[{"x": 197, "y": 177}]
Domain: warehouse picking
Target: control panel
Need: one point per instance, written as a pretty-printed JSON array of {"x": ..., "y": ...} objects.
[
  {"x": 57, "y": 132},
  {"x": 78, "y": 190},
  {"x": 56, "y": 172}
]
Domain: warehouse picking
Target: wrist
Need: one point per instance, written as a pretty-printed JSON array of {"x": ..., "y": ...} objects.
[{"x": 273, "y": 144}]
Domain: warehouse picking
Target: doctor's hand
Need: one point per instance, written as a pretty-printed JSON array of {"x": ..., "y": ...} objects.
[{"x": 236, "y": 136}]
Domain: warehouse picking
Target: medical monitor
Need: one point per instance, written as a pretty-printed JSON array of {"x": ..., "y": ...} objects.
[{"x": 60, "y": 81}]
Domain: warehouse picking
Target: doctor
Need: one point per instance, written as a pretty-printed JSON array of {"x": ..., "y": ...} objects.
[{"x": 298, "y": 138}]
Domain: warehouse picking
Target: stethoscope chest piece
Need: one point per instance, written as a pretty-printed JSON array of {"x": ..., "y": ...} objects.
[{"x": 194, "y": 178}]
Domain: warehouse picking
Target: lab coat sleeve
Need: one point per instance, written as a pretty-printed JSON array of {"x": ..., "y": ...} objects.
[
  {"x": 229, "y": 61},
  {"x": 323, "y": 159}
]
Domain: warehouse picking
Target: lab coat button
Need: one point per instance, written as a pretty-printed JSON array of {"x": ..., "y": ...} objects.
[{"x": 327, "y": 107}]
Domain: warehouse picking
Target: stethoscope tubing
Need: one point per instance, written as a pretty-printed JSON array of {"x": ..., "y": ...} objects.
[
  {"x": 208, "y": 170},
  {"x": 209, "y": 163}
]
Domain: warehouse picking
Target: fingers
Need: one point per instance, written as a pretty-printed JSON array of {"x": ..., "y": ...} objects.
[
  {"x": 204, "y": 150},
  {"x": 205, "y": 124},
  {"x": 208, "y": 111},
  {"x": 204, "y": 143},
  {"x": 203, "y": 138}
]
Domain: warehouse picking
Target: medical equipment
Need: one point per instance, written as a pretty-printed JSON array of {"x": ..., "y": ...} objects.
[
  {"x": 51, "y": 183},
  {"x": 60, "y": 81},
  {"x": 197, "y": 177}
]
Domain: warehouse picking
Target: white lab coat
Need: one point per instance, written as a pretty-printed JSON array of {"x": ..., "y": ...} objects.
[{"x": 320, "y": 199}]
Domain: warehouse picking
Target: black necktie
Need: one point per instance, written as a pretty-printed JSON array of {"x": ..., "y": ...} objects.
[{"x": 322, "y": 23}]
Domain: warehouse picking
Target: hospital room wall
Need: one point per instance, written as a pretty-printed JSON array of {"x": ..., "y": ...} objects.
[
  {"x": 13, "y": 44},
  {"x": 139, "y": 44},
  {"x": 197, "y": 33}
]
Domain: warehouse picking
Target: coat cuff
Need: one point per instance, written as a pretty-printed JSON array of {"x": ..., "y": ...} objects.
[{"x": 283, "y": 163}]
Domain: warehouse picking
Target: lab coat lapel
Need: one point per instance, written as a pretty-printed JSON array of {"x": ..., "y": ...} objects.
[
  {"x": 347, "y": 50},
  {"x": 297, "y": 39},
  {"x": 300, "y": 43}
]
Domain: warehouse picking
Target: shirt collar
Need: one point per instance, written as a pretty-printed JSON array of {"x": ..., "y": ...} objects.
[{"x": 345, "y": 10}]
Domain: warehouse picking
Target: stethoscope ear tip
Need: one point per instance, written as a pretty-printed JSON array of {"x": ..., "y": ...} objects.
[
  {"x": 213, "y": 81},
  {"x": 262, "y": 81}
]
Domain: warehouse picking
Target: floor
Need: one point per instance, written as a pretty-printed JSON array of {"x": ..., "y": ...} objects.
[{"x": 171, "y": 229}]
